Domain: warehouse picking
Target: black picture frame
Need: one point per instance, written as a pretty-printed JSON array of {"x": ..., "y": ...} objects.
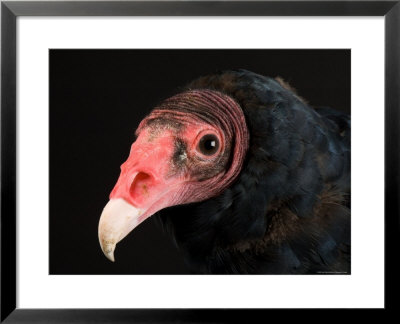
[{"x": 10, "y": 10}]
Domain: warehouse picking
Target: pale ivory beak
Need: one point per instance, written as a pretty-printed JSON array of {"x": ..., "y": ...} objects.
[{"x": 117, "y": 220}]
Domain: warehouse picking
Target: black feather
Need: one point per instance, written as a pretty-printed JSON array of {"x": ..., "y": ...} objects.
[{"x": 289, "y": 209}]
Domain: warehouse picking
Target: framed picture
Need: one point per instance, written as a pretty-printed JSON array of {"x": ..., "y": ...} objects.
[{"x": 75, "y": 89}]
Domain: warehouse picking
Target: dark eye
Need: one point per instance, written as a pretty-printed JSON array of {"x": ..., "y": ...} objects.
[{"x": 208, "y": 144}]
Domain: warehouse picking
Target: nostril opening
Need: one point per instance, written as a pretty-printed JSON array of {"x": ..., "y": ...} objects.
[
  {"x": 142, "y": 176},
  {"x": 140, "y": 185}
]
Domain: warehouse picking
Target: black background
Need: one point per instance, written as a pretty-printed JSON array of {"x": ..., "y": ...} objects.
[{"x": 98, "y": 98}]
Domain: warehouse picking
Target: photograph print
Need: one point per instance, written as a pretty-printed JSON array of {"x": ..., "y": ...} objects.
[{"x": 200, "y": 161}]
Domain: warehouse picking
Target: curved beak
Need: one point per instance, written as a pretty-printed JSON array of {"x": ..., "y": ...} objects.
[
  {"x": 113, "y": 227},
  {"x": 142, "y": 189}
]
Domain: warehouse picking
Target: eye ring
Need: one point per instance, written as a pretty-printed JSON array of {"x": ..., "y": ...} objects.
[{"x": 208, "y": 145}]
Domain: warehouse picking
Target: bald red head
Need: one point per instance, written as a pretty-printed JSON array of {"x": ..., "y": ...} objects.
[{"x": 190, "y": 148}]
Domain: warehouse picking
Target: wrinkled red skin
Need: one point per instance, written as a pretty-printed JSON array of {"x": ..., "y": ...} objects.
[
  {"x": 145, "y": 181},
  {"x": 149, "y": 178}
]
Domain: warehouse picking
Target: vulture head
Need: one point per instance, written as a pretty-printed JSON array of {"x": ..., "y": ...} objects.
[
  {"x": 189, "y": 149},
  {"x": 250, "y": 169}
]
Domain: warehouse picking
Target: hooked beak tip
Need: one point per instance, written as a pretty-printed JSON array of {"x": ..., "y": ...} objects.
[
  {"x": 116, "y": 221},
  {"x": 108, "y": 249}
]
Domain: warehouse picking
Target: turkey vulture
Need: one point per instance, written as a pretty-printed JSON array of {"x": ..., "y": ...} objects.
[{"x": 244, "y": 175}]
